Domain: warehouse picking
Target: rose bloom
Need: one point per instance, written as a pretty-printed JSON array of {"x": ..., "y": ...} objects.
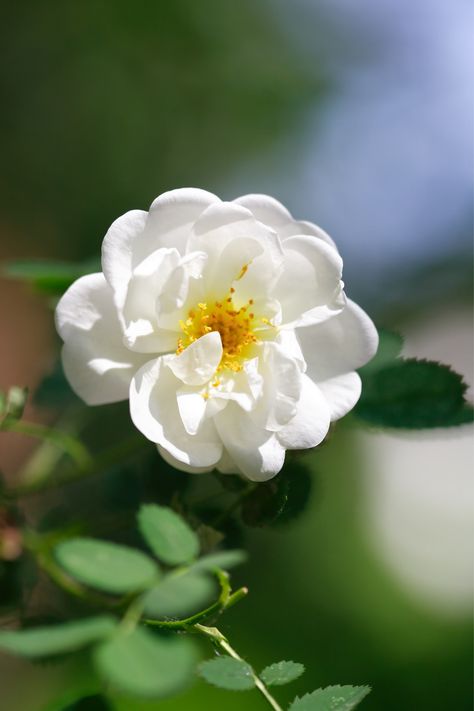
[{"x": 227, "y": 327}]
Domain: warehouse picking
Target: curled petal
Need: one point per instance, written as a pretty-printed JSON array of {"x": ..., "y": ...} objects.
[
  {"x": 154, "y": 411},
  {"x": 96, "y": 363},
  {"x": 198, "y": 362},
  {"x": 309, "y": 289},
  {"x": 272, "y": 213},
  {"x": 259, "y": 454},
  {"x": 117, "y": 251},
  {"x": 170, "y": 220},
  {"x": 341, "y": 393},
  {"x": 310, "y": 424},
  {"x": 340, "y": 345}
]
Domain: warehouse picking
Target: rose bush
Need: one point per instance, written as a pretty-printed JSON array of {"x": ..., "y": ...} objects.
[{"x": 225, "y": 324}]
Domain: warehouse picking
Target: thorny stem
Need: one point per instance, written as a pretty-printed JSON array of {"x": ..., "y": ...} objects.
[{"x": 218, "y": 639}]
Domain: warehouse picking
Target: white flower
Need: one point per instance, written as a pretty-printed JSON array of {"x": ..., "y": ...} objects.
[{"x": 226, "y": 325}]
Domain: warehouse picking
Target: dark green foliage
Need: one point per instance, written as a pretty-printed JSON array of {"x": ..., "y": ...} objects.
[
  {"x": 106, "y": 566},
  {"x": 281, "y": 673},
  {"x": 146, "y": 664},
  {"x": 54, "y": 390},
  {"x": 414, "y": 394},
  {"x": 227, "y": 673},
  {"x": 279, "y": 500},
  {"x": 332, "y": 698}
]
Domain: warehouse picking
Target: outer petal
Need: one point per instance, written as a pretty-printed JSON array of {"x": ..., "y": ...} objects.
[
  {"x": 311, "y": 422},
  {"x": 117, "y": 251},
  {"x": 310, "y": 288},
  {"x": 275, "y": 215},
  {"x": 341, "y": 393},
  {"x": 154, "y": 411},
  {"x": 259, "y": 454},
  {"x": 170, "y": 219},
  {"x": 343, "y": 343},
  {"x": 97, "y": 364}
]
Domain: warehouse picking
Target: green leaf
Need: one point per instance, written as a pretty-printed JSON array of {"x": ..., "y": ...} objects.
[
  {"x": 180, "y": 596},
  {"x": 332, "y": 698},
  {"x": 146, "y": 664},
  {"x": 56, "y": 639},
  {"x": 389, "y": 349},
  {"x": 50, "y": 277},
  {"x": 168, "y": 535},
  {"x": 414, "y": 394},
  {"x": 223, "y": 560},
  {"x": 279, "y": 500},
  {"x": 227, "y": 673},
  {"x": 281, "y": 673},
  {"x": 106, "y": 566}
]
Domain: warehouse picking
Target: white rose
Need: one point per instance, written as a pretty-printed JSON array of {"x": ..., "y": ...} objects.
[{"x": 226, "y": 325}]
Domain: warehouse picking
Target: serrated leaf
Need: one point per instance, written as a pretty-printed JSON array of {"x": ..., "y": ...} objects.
[
  {"x": 332, "y": 698},
  {"x": 227, "y": 673},
  {"x": 279, "y": 500},
  {"x": 414, "y": 394},
  {"x": 145, "y": 664},
  {"x": 180, "y": 596},
  {"x": 106, "y": 566},
  {"x": 281, "y": 673},
  {"x": 223, "y": 560},
  {"x": 56, "y": 639},
  {"x": 50, "y": 277},
  {"x": 168, "y": 535},
  {"x": 389, "y": 349}
]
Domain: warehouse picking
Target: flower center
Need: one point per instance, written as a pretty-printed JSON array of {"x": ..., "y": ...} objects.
[{"x": 236, "y": 327}]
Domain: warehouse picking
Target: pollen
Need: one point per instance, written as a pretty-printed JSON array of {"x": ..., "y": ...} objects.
[{"x": 235, "y": 323}]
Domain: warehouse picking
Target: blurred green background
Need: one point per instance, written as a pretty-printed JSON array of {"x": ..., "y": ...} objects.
[{"x": 344, "y": 115}]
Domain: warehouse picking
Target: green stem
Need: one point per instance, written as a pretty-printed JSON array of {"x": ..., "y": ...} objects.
[
  {"x": 222, "y": 642},
  {"x": 102, "y": 462},
  {"x": 225, "y": 600},
  {"x": 69, "y": 444}
]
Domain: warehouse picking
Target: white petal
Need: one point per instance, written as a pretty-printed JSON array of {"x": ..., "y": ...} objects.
[
  {"x": 198, "y": 362},
  {"x": 340, "y": 345},
  {"x": 311, "y": 422},
  {"x": 311, "y": 278},
  {"x": 341, "y": 393},
  {"x": 117, "y": 251},
  {"x": 97, "y": 364},
  {"x": 181, "y": 466},
  {"x": 192, "y": 408},
  {"x": 170, "y": 219},
  {"x": 219, "y": 226},
  {"x": 154, "y": 411},
  {"x": 275, "y": 215},
  {"x": 259, "y": 454},
  {"x": 281, "y": 387}
]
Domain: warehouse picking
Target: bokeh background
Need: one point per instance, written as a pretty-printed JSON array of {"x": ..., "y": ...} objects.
[{"x": 357, "y": 116}]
